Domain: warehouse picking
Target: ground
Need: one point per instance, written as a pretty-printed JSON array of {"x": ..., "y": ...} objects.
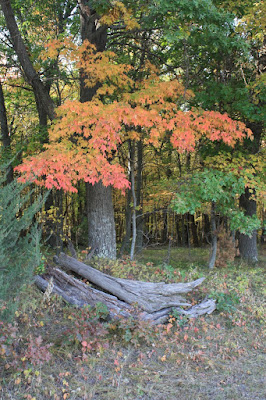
[{"x": 53, "y": 351}]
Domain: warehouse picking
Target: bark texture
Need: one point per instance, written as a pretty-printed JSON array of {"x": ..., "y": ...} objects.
[
  {"x": 132, "y": 175},
  {"x": 101, "y": 223},
  {"x": 139, "y": 211},
  {"x": 5, "y": 133},
  {"x": 126, "y": 240},
  {"x": 248, "y": 245},
  {"x": 214, "y": 237}
]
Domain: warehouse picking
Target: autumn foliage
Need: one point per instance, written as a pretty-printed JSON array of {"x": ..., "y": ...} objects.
[{"x": 85, "y": 137}]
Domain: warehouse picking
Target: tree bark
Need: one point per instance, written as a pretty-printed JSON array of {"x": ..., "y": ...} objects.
[
  {"x": 206, "y": 228},
  {"x": 184, "y": 230},
  {"x": 127, "y": 219},
  {"x": 96, "y": 34},
  {"x": 132, "y": 176},
  {"x": 5, "y": 134},
  {"x": 214, "y": 237},
  {"x": 139, "y": 211},
  {"x": 165, "y": 226},
  {"x": 248, "y": 245},
  {"x": 101, "y": 223},
  {"x": 193, "y": 227},
  {"x": 126, "y": 239}
]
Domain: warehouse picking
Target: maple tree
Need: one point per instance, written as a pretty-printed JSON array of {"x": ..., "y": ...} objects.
[{"x": 86, "y": 136}]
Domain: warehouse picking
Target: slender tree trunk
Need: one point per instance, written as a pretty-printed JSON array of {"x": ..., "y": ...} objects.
[
  {"x": 5, "y": 134},
  {"x": 165, "y": 226},
  {"x": 248, "y": 245},
  {"x": 193, "y": 227},
  {"x": 206, "y": 228},
  {"x": 132, "y": 175},
  {"x": 126, "y": 239},
  {"x": 214, "y": 236},
  {"x": 184, "y": 228},
  {"x": 59, "y": 225},
  {"x": 139, "y": 211},
  {"x": 178, "y": 235}
]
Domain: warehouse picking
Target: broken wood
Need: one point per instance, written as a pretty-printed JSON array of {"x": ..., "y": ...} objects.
[
  {"x": 155, "y": 300},
  {"x": 149, "y": 296}
]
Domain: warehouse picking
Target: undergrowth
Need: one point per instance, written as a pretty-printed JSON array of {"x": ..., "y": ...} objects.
[{"x": 56, "y": 351}]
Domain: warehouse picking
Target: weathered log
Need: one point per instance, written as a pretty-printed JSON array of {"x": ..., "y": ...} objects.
[
  {"x": 80, "y": 294},
  {"x": 151, "y": 297}
]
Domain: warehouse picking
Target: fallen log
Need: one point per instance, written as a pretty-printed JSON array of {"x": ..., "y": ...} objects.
[
  {"x": 151, "y": 297},
  {"x": 80, "y": 294}
]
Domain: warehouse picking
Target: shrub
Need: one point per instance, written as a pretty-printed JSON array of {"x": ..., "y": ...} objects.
[
  {"x": 225, "y": 301},
  {"x": 19, "y": 242}
]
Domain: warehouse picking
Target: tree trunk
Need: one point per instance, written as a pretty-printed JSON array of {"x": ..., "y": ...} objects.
[
  {"x": 184, "y": 230},
  {"x": 101, "y": 224},
  {"x": 5, "y": 134},
  {"x": 126, "y": 239},
  {"x": 59, "y": 224},
  {"x": 214, "y": 237},
  {"x": 193, "y": 227},
  {"x": 139, "y": 211},
  {"x": 165, "y": 226},
  {"x": 41, "y": 96},
  {"x": 248, "y": 245},
  {"x": 132, "y": 176}
]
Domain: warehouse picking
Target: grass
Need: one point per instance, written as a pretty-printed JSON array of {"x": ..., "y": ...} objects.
[
  {"x": 219, "y": 356},
  {"x": 179, "y": 257}
]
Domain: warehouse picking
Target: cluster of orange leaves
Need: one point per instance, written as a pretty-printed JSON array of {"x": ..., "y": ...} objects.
[{"x": 85, "y": 137}]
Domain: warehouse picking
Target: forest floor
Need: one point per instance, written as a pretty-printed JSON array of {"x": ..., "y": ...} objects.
[{"x": 54, "y": 351}]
